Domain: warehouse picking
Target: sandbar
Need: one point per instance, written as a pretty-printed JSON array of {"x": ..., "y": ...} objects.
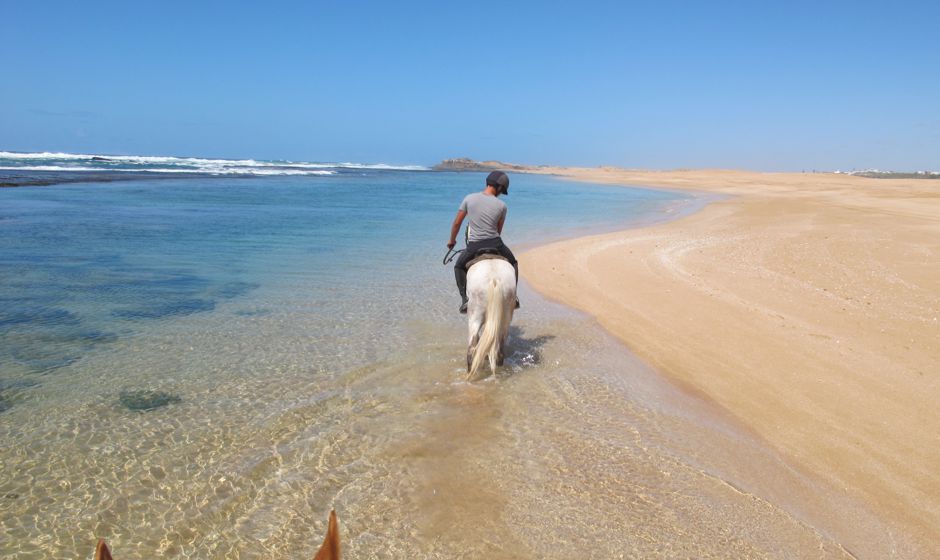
[{"x": 806, "y": 305}]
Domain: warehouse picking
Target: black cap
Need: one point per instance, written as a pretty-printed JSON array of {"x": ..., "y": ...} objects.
[{"x": 499, "y": 181}]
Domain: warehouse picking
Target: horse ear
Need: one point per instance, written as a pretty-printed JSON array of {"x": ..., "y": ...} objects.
[
  {"x": 329, "y": 550},
  {"x": 102, "y": 552}
]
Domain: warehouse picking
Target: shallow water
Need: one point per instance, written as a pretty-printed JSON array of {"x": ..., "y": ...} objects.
[{"x": 311, "y": 336}]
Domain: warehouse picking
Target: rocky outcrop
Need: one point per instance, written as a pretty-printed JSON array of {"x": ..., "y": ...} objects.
[
  {"x": 467, "y": 164},
  {"x": 460, "y": 164}
]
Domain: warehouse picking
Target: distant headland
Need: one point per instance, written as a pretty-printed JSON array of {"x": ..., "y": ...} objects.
[{"x": 467, "y": 164}]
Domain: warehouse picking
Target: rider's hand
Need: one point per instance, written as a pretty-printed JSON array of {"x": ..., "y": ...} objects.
[{"x": 451, "y": 244}]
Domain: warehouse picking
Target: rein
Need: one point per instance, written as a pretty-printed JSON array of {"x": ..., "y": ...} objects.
[{"x": 451, "y": 255}]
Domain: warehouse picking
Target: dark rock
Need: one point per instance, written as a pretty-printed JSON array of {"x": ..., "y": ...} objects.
[
  {"x": 252, "y": 312},
  {"x": 37, "y": 315},
  {"x": 235, "y": 289},
  {"x": 43, "y": 360},
  {"x": 144, "y": 400},
  {"x": 171, "y": 308},
  {"x": 17, "y": 384},
  {"x": 11, "y": 391}
]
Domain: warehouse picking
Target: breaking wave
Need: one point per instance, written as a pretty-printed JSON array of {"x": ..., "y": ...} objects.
[{"x": 66, "y": 162}]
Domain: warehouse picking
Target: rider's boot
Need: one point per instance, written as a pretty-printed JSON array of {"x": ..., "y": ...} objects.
[{"x": 461, "y": 276}]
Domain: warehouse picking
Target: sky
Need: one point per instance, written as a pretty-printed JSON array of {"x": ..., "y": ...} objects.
[{"x": 773, "y": 86}]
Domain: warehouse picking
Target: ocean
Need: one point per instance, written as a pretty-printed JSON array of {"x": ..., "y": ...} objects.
[{"x": 201, "y": 357}]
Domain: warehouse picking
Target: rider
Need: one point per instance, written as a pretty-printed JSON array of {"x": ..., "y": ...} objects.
[{"x": 487, "y": 216}]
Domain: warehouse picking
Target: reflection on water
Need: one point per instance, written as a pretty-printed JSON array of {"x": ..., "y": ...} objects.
[
  {"x": 574, "y": 447},
  {"x": 303, "y": 352}
]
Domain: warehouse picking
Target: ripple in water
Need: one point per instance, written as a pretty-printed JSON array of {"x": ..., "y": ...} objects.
[{"x": 303, "y": 341}]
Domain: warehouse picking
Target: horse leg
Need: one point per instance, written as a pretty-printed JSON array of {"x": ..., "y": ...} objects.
[
  {"x": 509, "y": 305},
  {"x": 474, "y": 324},
  {"x": 501, "y": 344}
]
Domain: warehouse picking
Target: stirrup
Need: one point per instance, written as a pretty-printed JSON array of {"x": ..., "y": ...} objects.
[{"x": 463, "y": 307}]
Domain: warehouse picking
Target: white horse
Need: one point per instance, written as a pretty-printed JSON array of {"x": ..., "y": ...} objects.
[{"x": 491, "y": 290}]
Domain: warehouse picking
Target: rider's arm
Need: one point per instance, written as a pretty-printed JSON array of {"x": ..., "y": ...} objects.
[
  {"x": 455, "y": 228},
  {"x": 499, "y": 226}
]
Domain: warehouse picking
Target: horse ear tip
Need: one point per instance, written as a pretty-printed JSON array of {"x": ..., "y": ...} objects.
[
  {"x": 329, "y": 550},
  {"x": 102, "y": 552}
]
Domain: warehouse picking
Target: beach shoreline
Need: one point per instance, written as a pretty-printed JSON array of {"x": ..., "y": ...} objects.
[{"x": 804, "y": 304}]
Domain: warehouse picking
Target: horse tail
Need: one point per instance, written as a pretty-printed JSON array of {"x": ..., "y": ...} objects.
[{"x": 488, "y": 345}]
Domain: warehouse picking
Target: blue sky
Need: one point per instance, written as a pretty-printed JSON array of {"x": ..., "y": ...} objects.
[{"x": 756, "y": 85}]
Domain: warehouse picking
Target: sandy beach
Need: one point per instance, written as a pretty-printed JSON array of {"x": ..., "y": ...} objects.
[{"x": 805, "y": 305}]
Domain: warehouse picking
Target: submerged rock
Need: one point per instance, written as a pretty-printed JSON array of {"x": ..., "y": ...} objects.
[
  {"x": 36, "y": 316},
  {"x": 233, "y": 290},
  {"x": 146, "y": 399},
  {"x": 11, "y": 391},
  {"x": 170, "y": 308}
]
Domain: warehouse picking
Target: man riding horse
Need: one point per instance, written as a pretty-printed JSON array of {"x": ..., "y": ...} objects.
[{"x": 487, "y": 215}]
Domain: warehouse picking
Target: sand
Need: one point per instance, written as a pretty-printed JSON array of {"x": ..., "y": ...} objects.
[{"x": 805, "y": 305}]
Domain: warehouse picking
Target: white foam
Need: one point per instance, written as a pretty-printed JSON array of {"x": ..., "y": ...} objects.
[
  {"x": 172, "y": 164},
  {"x": 205, "y": 171},
  {"x": 46, "y": 168},
  {"x": 172, "y": 160},
  {"x": 43, "y": 155}
]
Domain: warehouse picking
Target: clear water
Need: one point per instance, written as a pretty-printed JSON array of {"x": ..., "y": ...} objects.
[
  {"x": 84, "y": 265},
  {"x": 309, "y": 332}
]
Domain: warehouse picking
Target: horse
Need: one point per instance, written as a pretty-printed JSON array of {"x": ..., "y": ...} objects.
[{"x": 491, "y": 290}]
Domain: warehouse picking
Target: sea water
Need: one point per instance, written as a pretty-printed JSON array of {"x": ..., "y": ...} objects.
[{"x": 203, "y": 366}]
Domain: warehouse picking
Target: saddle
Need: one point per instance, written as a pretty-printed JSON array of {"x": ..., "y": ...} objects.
[{"x": 486, "y": 253}]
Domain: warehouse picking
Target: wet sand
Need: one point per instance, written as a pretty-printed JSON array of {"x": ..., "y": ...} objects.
[{"x": 805, "y": 305}]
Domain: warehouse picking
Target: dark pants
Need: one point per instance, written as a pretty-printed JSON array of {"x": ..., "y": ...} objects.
[{"x": 473, "y": 247}]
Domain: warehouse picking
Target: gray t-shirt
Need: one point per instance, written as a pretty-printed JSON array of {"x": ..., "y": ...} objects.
[{"x": 484, "y": 213}]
